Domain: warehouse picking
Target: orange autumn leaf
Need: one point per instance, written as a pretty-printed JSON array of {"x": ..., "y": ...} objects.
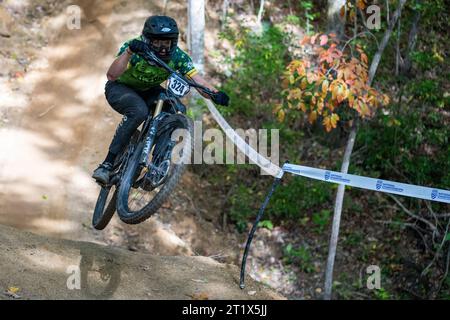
[
  {"x": 320, "y": 105},
  {"x": 281, "y": 115},
  {"x": 323, "y": 39},
  {"x": 361, "y": 4},
  {"x": 330, "y": 122},
  {"x": 199, "y": 296},
  {"x": 351, "y": 100},
  {"x": 312, "y": 77},
  {"x": 327, "y": 82},
  {"x": 295, "y": 94},
  {"x": 305, "y": 40},
  {"x": 364, "y": 58},
  {"x": 312, "y": 117},
  {"x": 303, "y": 84}
]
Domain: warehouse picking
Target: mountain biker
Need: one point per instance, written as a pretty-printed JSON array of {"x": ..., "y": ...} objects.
[{"x": 134, "y": 85}]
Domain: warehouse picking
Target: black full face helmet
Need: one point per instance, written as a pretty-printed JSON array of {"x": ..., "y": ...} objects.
[{"x": 161, "y": 28}]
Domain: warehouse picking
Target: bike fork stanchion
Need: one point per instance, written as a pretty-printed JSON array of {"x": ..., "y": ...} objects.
[{"x": 275, "y": 184}]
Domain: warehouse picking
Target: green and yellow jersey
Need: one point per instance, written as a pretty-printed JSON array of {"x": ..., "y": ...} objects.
[{"x": 140, "y": 75}]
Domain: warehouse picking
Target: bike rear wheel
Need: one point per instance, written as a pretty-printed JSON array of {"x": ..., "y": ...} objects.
[{"x": 136, "y": 201}]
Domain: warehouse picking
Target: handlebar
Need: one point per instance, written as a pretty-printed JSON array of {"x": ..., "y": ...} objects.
[{"x": 151, "y": 57}]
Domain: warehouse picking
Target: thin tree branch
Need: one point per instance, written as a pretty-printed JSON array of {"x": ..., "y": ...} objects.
[
  {"x": 444, "y": 277},
  {"x": 408, "y": 212},
  {"x": 398, "y": 56},
  {"x": 410, "y": 225},
  {"x": 438, "y": 251},
  {"x": 377, "y": 57}
]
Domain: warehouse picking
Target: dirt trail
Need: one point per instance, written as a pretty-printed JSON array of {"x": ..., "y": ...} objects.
[
  {"x": 52, "y": 144},
  {"x": 49, "y": 149},
  {"x": 44, "y": 268}
]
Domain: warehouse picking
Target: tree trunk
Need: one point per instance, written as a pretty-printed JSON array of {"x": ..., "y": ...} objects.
[
  {"x": 261, "y": 11},
  {"x": 225, "y": 5},
  {"x": 336, "y": 23},
  {"x": 196, "y": 32},
  {"x": 196, "y": 45},
  {"x": 337, "y": 216},
  {"x": 405, "y": 68},
  {"x": 347, "y": 155},
  {"x": 166, "y": 2}
]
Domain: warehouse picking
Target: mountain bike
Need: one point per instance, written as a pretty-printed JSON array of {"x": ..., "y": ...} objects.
[{"x": 148, "y": 170}]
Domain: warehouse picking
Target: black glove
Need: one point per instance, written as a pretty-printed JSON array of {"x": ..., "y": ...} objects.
[
  {"x": 137, "y": 46},
  {"x": 220, "y": 98}
]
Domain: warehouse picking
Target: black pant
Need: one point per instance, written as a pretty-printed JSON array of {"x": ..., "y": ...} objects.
[{"x": 133, "y": 105}]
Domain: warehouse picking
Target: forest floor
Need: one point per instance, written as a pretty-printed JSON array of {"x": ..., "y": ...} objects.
[{"x": 39, "y": 267}]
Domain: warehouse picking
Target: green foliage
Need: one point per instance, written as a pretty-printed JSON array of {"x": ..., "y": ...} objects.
[
  {"x": 424, "y": 60},
  {"x": 266, "y": 224},
  {"x": 241, "y": 206},
  {"x": 321, "y": 219},
  {"x": 417, "y": 147},
  {"x": 353, "y": 239},
  {"x": 300, "y": 256},
  {"x": 293, "y": 19},
  {"x": 382, "y": 294},
  {"x": 447, "y": 237},
  {"x": 255, "y": 70},
  {"x": 291, "y": 201}
]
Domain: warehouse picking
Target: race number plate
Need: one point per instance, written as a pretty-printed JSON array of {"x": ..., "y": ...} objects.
[{"x": 178, "y": 86}]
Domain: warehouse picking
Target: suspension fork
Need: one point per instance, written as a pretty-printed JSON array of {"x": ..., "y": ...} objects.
[{"x": 150, "y": 138}]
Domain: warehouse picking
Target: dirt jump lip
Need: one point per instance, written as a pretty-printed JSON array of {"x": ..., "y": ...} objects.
[{"x": 40, "y": 267}]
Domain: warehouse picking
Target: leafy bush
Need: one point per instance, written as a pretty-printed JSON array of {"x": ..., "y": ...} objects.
[
  {"x": 290, "y": 203},
  {"x": 329, "y": 84},
  {"x": 255, "y": 70},
  {"x": 321, "y": 219},
  {"x": 300, "y": 256}
]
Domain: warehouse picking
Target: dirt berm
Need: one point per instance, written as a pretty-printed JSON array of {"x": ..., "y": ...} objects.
[{"x": 37, "y": 267}]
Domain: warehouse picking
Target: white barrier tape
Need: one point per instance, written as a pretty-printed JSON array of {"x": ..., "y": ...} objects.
[
  {"x": 352, "y": 180},
  {"x": 380, "y": 185},
  {"x": 264, "y": 163}
]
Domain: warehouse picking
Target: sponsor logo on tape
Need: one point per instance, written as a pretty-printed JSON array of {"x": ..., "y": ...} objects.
[
  {"x": 379, "y": 184},
  {"x": 291, "y": 169},
  {"x": 391, "y": 187},
  {"x": 329, "y": 176},
  {"x": 435, "y": 194}
]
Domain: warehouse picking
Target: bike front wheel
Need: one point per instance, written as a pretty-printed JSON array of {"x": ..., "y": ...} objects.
[{"x": 106, "y": 198}]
